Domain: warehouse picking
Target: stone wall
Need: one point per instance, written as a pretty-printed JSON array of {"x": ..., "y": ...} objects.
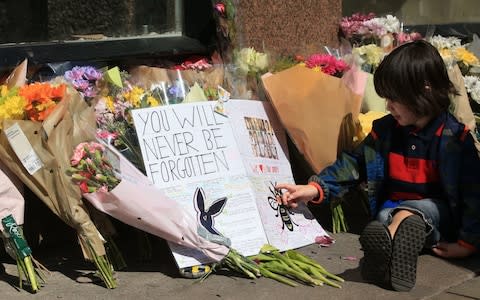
[{"x": 288, "y": 27}]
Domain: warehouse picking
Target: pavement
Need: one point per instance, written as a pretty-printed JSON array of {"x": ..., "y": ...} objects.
[{"x": 158, "y": 278}]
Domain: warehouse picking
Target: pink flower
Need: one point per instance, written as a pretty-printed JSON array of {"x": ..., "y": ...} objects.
[
  {"x": 328, "y": 63},
  {"x": 106, "y": 135},
  {"x": 83, "y": 187},
  {"x": 79, "y": 152},
  {"x": 404, "y": 37},
  {"x": 355, "y": 24},
  {"x": 324, "y": 240},
  {"x": 220, "y": 8},
  {"x": 199, "y": 65}
]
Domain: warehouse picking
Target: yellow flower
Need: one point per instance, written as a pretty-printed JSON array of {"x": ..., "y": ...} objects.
[
  {"x": 12, "y": 107},
  {"x": 45, "y": 105},
  {"x": 465, "y": 56},
  {"x": 134, "y": 96},
  {"x": 3, "y": 91},
  {"x": 371, "y": 54},
  {"x": 109, "y": 103},
  {"x": 152, "y": 101}
]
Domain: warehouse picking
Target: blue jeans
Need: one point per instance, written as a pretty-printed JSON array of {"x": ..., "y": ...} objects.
[{"x": 435, "y": 213}]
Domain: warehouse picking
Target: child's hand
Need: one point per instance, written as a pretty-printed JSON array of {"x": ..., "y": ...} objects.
[
  {"x": 451, "y": 250},
  {"x": 293, "y": 194}
]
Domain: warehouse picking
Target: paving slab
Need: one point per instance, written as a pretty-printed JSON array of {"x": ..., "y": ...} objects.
[{"x": 159, "y": 279}]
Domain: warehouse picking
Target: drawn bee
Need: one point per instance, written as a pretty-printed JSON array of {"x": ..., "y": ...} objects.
[{"x": 282, "y": 211}]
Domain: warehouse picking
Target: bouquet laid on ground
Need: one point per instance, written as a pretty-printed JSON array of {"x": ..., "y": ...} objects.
[
  {"x": 36, "y": 150},
  {"x": 292, "y": 267},
  {"x": 12, "y": 207},
  {"x": 115, "y": 187}
]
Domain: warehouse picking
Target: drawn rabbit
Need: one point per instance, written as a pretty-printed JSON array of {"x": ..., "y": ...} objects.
[{"x": 206, "y": 216}]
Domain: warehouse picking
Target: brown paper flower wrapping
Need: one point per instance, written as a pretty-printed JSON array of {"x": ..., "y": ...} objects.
[
  {"x": 460, "y": 104},
  {"x": 311, "y": 106},
  {"x": 53, "y": 141},
  {"x": 145, "y": 76}
]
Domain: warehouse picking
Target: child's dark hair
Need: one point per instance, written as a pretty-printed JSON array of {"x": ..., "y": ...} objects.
[{"x": 415, "y": 75}]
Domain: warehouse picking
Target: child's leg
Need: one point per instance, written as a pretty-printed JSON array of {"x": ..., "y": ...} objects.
[
  {"x": 407, "y": 222},
  {"x": 407, "y": 244},
  {"x": 377, "y": 252},
  {"x": 411, "y": 222},
  {"x": 397, "y": 220}
]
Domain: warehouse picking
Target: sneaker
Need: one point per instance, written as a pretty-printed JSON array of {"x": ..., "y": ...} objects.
[
  {"x": 407, "y": 245},
  {"x": 195, "y": 272},
  {"x": 377, "y": 252}
]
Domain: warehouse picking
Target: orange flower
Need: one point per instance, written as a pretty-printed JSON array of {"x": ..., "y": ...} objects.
[{"x": 42, "y": 99}]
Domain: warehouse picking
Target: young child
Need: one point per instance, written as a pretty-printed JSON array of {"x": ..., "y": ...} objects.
[{"x": 421, "y": 169}]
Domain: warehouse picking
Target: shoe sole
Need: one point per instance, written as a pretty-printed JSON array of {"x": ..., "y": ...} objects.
[
  {"x": 407, "y": 244},
  {"x": 377, "y": 248}
]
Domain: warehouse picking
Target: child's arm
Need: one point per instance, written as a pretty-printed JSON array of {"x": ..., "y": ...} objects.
[{"x": 345, "y": 173}]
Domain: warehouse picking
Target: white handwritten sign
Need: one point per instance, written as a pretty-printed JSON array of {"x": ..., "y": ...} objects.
[{"x": 185, "y": 142}]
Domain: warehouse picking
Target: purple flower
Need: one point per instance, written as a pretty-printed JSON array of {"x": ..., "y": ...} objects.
[
  {"x": 90, "y": 92},
  {"x": 174, "y": 91},
  {"x": 90, "y": 73},
  {"x": 80, "y": 84},
  {"x": 73, "y": 74}
]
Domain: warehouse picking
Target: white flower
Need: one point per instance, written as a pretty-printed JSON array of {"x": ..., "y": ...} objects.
[
  {"x": 441, "y": 42},
  {"x": 250, "y": 61},
  {"x": 381, "y": 26},
  {"x": 472, "y": 84}
]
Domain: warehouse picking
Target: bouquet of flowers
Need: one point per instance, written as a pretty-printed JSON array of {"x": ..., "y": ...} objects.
[
  {"x": 59, "y": 116},
  {"x": 368, "y": 57},
  {"x": 462, "y": 65},
  {"x": 113, "y": 113},
  {"x": 327, "y": 63},
  {"x": 453, "y": 52},
  {"x": 126, "y": 194},
  {"x": 385, "y": 32},
  {"x": 244, "y": 76},
  {"x": 363, "y": 29}
]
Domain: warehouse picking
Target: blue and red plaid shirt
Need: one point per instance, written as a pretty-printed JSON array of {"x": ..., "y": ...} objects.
[{"x": 412, "y": 162}]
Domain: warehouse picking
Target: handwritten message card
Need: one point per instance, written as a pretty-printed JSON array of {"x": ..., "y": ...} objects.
[{"x": 222, "y": 169}]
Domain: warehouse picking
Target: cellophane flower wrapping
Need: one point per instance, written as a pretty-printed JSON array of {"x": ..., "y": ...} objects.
[{"x": 136, "y": 202}]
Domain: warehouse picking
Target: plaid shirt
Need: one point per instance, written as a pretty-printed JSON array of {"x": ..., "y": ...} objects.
[
  {"x": 412, "y": 162},
  {"x": 458, "y": 171}
]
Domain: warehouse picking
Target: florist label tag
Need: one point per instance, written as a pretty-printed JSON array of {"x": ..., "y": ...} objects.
[{"x": 24, "y": 150}]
